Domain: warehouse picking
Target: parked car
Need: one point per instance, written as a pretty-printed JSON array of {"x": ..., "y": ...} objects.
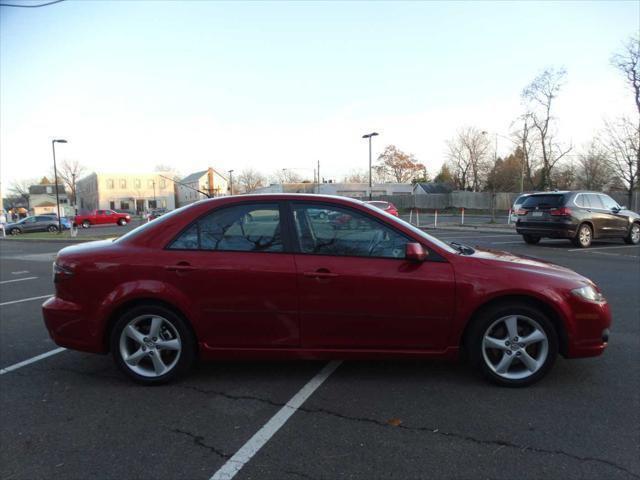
[
  {"x": 388, "y": 207},
  {"x": 577, "y": 216},
  {"x": 102, "y": 217},
  {"x": 37, "y": 223},
  {"x": 156, "y": 213},
  {"x": 202, "y": 282},
  {"x": 517, "y": 204}
]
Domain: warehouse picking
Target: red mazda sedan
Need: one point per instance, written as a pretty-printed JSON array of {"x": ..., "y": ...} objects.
[{"x": 266, "y": 276}]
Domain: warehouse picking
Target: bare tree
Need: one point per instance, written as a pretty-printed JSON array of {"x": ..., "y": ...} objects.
[
  {"x": 356, "y": 176},
  {"x": 19, "y": 189},
  {"x": 525, "y": 139},
  {"x": 397, "y": 165},
  {"x": 628, "y": 62},
  {"x": 540, "y": 97},
  {"x": 250, "y": 180},
  {"x": 68, "y": 172},
  {"x": 286, "y": 175},
  {"x": 620, "y": 141},
  {"x": 593, "y": 171},
  {"x": 469, "y": 158},
  {"x": 175, "y": 174}
]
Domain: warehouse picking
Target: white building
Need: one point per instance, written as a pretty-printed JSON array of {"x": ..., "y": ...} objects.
[
  {"x": 42, "y": 198},
  {"x": 126, "y": 192},
  {"x": 210, "y": 181}
]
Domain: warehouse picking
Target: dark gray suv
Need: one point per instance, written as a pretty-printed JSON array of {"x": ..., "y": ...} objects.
[
  {"x": 577, "y": 216},
  {"x": 37, "y": 223}
]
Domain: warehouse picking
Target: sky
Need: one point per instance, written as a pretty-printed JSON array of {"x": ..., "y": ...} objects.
[{"x": 272, "y": 85}]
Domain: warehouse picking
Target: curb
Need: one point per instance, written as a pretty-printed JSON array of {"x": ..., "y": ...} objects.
[
  {"x": 471, "y": 228},
  {"x": 53, "y": 240}
]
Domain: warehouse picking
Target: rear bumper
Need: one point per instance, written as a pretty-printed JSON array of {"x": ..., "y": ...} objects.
[
  {"x": 549, "y": 230},
  {"x": 67, "y": 325}
]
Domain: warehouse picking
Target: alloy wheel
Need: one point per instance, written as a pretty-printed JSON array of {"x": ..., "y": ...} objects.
[
  {"x": 584, "y": 236},
  {"x": 150, "y": 346},
  {"x": 635, "y": 233},
  {"x": 515, "y": 347}
]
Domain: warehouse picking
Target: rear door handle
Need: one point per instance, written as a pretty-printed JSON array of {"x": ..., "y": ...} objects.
[
  {"x": 180, "y": 267},
  {"x": 321, "y": 273}
]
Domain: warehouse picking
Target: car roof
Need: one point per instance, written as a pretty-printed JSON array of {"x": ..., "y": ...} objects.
[{"x": 284, "y": 196}]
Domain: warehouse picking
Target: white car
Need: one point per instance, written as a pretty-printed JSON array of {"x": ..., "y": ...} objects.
[{"x": 516, "y": 206}]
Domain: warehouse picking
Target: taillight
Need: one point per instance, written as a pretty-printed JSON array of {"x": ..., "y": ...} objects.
[
  {"x": 521, "y": 211},
  {"x": 561, "y": 212},
  {"x": 61, "y": 273}
]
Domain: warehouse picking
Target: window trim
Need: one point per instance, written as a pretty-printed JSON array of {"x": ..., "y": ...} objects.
[
  {"x": 284, "y": 233},
  {"x": 432, "y": 255}
]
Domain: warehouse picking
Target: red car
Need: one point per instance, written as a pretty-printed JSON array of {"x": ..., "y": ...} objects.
[
  {"x": 388, "y": 207},
  {"x": 259, "y": 277},
  {"x": 102, "y": 217}
]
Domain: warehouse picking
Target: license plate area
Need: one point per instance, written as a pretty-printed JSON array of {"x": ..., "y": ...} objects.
[{"x": 537, "y": 214}]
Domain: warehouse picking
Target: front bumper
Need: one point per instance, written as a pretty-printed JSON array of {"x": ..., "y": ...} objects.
[{"x": 589, "y": 329}]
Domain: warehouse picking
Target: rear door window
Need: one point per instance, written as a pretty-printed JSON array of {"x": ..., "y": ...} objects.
[
  {"x": 594, "y": 200},
  {"x": 544, "y": 201},
  {"x": 608, "y": 202}
]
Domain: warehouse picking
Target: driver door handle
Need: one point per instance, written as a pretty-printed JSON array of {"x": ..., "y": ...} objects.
[
  {"x": 180, "y": 267},
  {"x": 321, "y": 273}
]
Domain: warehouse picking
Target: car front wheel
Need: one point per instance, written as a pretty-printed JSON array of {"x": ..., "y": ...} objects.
[
  {"x": 15, "y": 231},
  {"x": 52, "y": 228},
  {"x": 86, "y": 224},
  {"x": 122, "y": 222},
  {"x": 513, "y": 345},
  {"x": 633, "y": 238},
  {"x": 152, "y": 345},
  {"x": 584, "y": 236}
]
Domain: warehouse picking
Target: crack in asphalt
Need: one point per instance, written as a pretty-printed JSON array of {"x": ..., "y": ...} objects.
[
  {"x": 199, "y": 441},
  {"x": 434, "y": 431}
]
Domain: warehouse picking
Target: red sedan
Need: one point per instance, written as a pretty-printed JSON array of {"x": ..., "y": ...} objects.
[
  {"x": 388, "y": 207},
  {"x": 266, "y": 276}
]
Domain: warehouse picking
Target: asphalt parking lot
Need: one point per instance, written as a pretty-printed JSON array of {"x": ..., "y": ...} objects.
[{"x": 73, "y": 415}]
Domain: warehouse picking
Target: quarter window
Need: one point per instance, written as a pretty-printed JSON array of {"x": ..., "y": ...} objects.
[
  {"x": 345, "y": 232},
  {"x": 243, "y": 228}
]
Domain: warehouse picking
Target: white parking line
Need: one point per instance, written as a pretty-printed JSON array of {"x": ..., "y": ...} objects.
[
  {"x": 20, "y": 272},
  {"x": 18, "y": 280},
  {"x": 262, "y": 436},
  {"x": 449, "y": 237},
  {"x": 590, "y": 249},
  {"x": 25, "y": 300},
  {"x": 37, "y": 358}
]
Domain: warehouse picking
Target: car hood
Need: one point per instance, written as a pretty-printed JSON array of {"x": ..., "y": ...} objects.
[{"x": 524, "y": 263}]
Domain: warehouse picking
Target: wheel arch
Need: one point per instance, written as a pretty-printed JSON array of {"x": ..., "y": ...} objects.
[
  {"x": 590, "y": 223},
  {"x": 136, "y": 302},
  {"x": 547, "y": 309}
]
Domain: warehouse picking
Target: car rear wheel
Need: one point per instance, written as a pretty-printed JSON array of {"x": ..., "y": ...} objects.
[
  {"x": 633, "y": 238},
  {"x": 122, "y": 222},
  {"x": 584, "y": 236},
  {"x": 52, "y": 228},
  {"x": 86, "y": 224},
  {"x": 152, "y": 345},
  {"x": 531, "y": 239},
  {"x": 513, "y": 345}
]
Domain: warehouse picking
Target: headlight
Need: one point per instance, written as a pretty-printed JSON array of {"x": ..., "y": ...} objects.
[{"x": 589, "y": 294}]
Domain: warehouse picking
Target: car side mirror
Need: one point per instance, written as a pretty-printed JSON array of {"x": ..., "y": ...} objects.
[{"x": 415, "y": 252}]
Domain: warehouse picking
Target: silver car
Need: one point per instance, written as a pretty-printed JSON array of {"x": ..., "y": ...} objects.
[{"x": 37, "y": 223}]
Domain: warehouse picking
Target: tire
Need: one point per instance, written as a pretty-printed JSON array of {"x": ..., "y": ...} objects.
[
  {"x": 531, "y": 239},
  {"x": 584, "y": 236},
  {"x": 633, "y": 238},
  {"x": 505, "y": 349},
  {"x": 122, "y": 222},
  {"x": 52, "y": 228},
  {"x": 86, "y": 224},
  {"x": 146, "y": 366},
  {"x": 15, "y": 231}
]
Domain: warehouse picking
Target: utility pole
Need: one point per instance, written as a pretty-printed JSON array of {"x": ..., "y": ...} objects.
[
  {"x": 55, "y": 175},
  {"x": 319, "y": 176},
  {"x": 369, "y": 135},
  {"x": 75, "y": 193},
  {"x": 231, "y": 182}
]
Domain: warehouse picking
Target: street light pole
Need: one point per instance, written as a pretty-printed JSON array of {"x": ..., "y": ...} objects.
[
  {"x": 369, "y": 135},
  {"x": 231, "y": 182},
  {"x": 75, "y": 194},
  {"x": 55, "y": 176}
]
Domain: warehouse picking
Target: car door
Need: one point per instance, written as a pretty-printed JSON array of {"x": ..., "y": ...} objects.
[
  {"x": 235, "y": 266},
  {"x": 617, "y": 223},
  {"x": 29, "y": 224},
  {"x": 598, "y": 215},
  {"x": 357, "y": 291}
]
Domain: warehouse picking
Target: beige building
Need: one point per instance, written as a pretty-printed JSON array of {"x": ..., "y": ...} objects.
[
  {"x": 209, "y": 181},
  {"x": 42, "y": 198},
  {"x": 126, "y": 192}
]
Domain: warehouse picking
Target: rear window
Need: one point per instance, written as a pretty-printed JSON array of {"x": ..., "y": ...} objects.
[
  {"x": 544, "y": 201},
  {"x": 382, "y": 205}
]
